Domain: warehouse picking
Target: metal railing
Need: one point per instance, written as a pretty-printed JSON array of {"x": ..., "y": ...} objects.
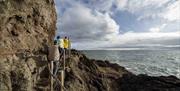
[{"x": 55, "y": 81}]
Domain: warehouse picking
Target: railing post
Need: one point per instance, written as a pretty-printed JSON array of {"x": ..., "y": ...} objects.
[
  {"x": 63, "y": 71},
  {"x": 51, "y": 68},
  {"x": 62, "y": 80},
  {"x": 64, "y": 58}
]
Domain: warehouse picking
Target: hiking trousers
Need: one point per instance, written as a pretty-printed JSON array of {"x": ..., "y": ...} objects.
[{"x": 54, "y": 67}]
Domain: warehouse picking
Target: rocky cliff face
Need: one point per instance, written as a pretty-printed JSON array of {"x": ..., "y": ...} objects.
[
  {"x": 26, "y": 27},
  {"x": 26, "y": 24}
]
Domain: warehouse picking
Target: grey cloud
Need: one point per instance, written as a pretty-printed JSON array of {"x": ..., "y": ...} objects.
[
  {"x": 83, "y": 24},
  {"x": 90, "y": 28},
  {"x": 149, "y": 42}
]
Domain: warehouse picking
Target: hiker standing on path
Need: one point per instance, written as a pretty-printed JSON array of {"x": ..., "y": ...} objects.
[
  {"x": 69, "y": 43},
  {"x": 69, "y": 47},
  {"x": 61, "y": 44},
  {"x": 66, "y": 44},
  {"x": 53, "y": 57}
]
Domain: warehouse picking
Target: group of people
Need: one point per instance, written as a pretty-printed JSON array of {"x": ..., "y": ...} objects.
[
  {"x": 56, "y": 51},
  {"x": 64, "y": 43}
]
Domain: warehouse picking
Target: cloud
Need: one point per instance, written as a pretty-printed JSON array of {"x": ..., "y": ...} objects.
[
  {"x": 172, "y": 12},
  {"x": 83, "y": 24},
  {"x": 121, "y": 4},
  {"x": 101, "y": 5},
  {"x": 158, "y": 29},
  {"x": 132, "y": 39},
  {"x": 91, "y": 25},
  {"x": 167, "y": 9},
  {"x": 135, "y": 6},
  {"x": 155, "y": 29}
]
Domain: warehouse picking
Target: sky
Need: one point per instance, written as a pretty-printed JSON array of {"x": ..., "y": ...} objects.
[{"x": 113, "y": 24}]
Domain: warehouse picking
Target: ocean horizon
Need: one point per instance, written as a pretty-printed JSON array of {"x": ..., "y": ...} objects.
[{"x": 153, "y": 62}]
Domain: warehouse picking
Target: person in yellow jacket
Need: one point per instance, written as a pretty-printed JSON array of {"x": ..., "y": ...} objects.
[
  {"x": 66, "y": 43},
  {"x": 61, "y": 44}
]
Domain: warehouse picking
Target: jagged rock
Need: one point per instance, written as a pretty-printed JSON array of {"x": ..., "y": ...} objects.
[
  {"x": 14, "y": 74},
  {"x": 92, "y": 75},
  {"x": 31, "y": 65},
  {"x": 26, "y": 24}
]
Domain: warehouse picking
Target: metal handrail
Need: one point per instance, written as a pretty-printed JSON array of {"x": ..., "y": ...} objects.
[{"x": 55, "y": 77}]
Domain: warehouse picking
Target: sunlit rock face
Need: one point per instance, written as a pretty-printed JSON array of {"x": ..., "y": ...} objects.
[
  {"x": 26, "y": 28},
  {"x": 26, "y": 24}
]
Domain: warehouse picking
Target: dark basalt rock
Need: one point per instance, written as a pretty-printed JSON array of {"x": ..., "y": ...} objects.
[{"x": 148, "y": 83}]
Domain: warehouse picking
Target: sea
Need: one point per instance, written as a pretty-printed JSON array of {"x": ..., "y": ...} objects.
[{"x": 153, "y": 62}]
